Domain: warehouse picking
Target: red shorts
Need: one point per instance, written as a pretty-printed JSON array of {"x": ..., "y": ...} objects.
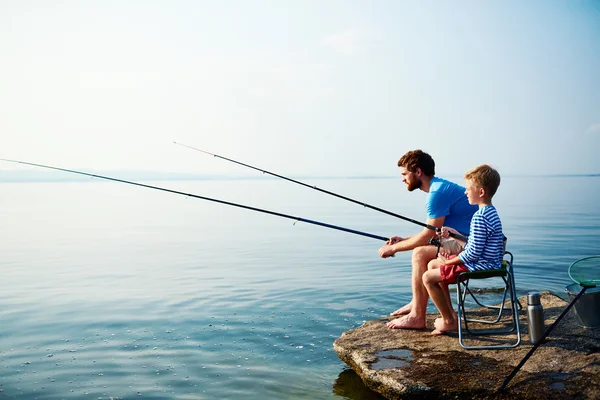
[{"x": 450, "y": 273}]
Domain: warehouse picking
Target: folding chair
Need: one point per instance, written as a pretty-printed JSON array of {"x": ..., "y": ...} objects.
[{"x": 509, "y": 293}]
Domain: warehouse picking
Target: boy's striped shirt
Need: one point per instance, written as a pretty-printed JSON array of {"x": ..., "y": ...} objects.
[{"x": 485, "y": 248}]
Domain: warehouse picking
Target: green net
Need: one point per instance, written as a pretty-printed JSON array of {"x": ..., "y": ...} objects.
[{"x": 586, "y": 271}]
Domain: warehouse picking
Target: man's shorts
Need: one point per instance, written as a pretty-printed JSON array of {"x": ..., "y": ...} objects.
[
  {"x": 451, "y": 246},
  {"x": 450, "y": 273}
]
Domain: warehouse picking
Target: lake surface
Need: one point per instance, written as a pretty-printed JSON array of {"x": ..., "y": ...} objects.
[{"x": 116, "y": 291}]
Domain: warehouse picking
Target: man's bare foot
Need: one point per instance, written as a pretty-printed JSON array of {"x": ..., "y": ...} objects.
[
  {"x": 442, "y": 326},
  {"x": 402, "y": 310},
  {"x": 407, "y": 322}
]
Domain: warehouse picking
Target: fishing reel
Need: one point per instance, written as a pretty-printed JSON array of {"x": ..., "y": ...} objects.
[{"x": 436, "y": 242}]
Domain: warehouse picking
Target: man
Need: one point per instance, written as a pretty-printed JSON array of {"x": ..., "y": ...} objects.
[{"x": 447, "y": 205}]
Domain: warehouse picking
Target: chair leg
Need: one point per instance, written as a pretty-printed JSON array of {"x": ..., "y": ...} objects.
[
  {"x": 499, "y": 308},
  {"x": 462, "y": 314}
]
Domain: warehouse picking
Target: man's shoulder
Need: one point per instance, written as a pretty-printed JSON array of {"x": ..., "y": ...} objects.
[{"x": 440, "y": 184}]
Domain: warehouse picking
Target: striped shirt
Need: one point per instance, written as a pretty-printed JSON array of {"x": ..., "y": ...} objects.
[{"x": 484, "y": 249}]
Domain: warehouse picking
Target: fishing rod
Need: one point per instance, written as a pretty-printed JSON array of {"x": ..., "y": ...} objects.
[
  {"x": 434, "y": 228},
  {"x": 308, "y": 221}
]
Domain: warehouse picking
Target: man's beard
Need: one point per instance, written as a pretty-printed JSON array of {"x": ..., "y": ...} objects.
[{"x": 414, "y": 185}]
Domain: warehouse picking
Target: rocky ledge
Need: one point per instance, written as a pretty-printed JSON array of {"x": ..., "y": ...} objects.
[{"x": 413, "y": 364}]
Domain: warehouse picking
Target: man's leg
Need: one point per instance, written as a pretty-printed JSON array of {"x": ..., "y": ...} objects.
[
  {"x": 417, "y": 308},
  {"x": 420, "y": 257}
]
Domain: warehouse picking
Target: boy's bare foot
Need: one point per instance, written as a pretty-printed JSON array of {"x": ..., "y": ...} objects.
[
  {"x": 442, "y": 326},
  {"x": 407, "y": 322},
  {"x": 402, "y": 310}
]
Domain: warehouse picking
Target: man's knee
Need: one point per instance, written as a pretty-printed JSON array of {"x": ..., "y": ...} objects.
[{"x": 423, "y": 254}]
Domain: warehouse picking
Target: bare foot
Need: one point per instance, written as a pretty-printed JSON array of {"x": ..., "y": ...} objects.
[
  {"x": 402, "y": 310},
  {"x": 442, "y": 326},
  {"x": 407, "y": 322}
]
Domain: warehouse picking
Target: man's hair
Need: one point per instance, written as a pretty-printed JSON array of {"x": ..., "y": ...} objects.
[
  {"x": 418, "y": 159},
  {"x": 485, "y": 177}
]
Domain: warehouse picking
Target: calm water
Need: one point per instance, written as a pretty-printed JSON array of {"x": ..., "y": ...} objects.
[{"x": 110, "y": 290}]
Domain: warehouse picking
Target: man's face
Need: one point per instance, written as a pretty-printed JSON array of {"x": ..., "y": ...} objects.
[{"x": 412, "y": 179}]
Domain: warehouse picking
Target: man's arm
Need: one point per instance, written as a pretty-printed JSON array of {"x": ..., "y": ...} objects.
[{"x": 411, "y": 242}]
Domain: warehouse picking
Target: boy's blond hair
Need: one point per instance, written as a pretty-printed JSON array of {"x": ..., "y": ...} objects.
[{"x": 485, "y": 177}]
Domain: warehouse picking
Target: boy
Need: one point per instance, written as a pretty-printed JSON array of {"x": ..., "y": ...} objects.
[{"x": 483, "y": 251}]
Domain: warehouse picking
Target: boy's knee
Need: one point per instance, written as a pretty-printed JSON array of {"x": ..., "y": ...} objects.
[
  {"x": 427, "y": 278},
  {"x": 432, "y": 265},
  {"x": 432, "y": 277}
]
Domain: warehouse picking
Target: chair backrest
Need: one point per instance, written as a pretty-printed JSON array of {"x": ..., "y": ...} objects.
[{"x": 508, "y": 259}]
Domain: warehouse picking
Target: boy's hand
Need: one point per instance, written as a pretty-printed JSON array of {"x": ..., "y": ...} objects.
[
  {"x": 446, "y": 230},
  {"x": 444, "y": 257}
]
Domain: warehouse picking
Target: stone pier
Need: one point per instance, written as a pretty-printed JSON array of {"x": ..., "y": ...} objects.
[{"x": 413, "y": 364}]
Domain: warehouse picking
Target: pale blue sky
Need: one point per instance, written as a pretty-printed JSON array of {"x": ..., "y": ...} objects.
[{"x": 327, "y": 87}]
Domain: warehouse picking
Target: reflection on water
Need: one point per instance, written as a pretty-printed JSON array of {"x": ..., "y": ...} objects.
[{"x": 349, "y": 385}]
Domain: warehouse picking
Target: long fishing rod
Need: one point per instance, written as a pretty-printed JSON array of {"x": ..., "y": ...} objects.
[
  {"x": 434, "y": 228},
  {"x": 308, "y": 221}
]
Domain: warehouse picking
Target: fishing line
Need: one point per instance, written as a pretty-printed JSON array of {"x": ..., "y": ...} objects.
[
  {"x": 434, "y": 228},
  {"x": 308, "y": 221}
]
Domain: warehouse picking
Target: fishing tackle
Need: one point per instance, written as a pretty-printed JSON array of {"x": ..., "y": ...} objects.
[
  {"x": 308, "y": 221},
  {"x": 434, "y": 228},
  {"x": 437, "y": 243}
]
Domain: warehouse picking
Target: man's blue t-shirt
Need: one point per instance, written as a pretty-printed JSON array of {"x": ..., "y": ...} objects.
[{"x": 447, "y": 199}]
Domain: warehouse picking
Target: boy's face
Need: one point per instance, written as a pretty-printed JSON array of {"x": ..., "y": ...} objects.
[{"x": 474, "y": 193}]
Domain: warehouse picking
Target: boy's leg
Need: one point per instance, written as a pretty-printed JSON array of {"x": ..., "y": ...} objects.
[
  {"x": 434, "y": 264},
  {"x": 447, "y": 294},
  {"x": 450, "y": 307},
  {"x": 432, "y": 280}
]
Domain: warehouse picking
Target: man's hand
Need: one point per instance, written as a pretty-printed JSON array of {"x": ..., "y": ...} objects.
[
  {"x": 394, "y": 240},
  {"x": 387, "y": 251}
]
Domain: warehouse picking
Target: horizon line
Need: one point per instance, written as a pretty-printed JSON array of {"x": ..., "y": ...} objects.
[{"x": 50, "y": 176}]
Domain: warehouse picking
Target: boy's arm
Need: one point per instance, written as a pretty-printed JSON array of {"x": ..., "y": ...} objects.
[
  {"x": 446, "y": 231},
  {"x": 476, "y": 244},
  {"x": 454, "y": 261}
]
